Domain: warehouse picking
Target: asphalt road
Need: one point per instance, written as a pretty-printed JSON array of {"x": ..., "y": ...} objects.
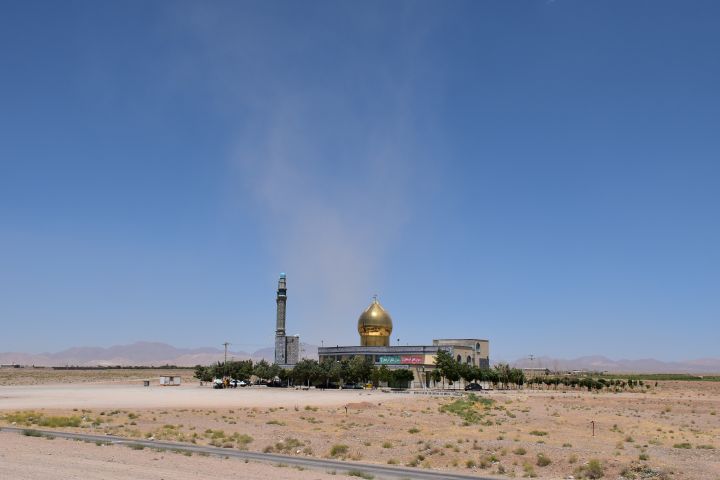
[{"x": 379, "y": 471}]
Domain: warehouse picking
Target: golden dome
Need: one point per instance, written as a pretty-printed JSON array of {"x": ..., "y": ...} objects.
[{"x": 375, "y": 326}]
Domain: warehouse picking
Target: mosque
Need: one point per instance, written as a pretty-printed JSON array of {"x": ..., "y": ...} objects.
[{"x": 375, "y": 328}]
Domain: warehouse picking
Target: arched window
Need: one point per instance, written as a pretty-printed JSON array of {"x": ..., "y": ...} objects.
[
  {"x": 459, "y": 359},
  {"x": 477, "y": 346},
  {"x": 469, "y": 360}
]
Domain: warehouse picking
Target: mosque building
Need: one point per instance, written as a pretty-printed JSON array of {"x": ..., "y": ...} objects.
[{"x": 375, "y": 327}]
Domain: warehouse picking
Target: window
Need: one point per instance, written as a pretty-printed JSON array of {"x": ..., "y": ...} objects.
[
  {"x": 469, "y": 360},
  {"x": 477, "y": 346},
  {"x": 459, "y": 359}
]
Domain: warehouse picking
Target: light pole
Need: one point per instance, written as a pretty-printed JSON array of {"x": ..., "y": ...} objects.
[{"x": 225, "y": 364}]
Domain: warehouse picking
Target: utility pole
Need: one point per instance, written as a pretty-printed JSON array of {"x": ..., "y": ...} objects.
[
  {"x": 532, "y": 364},
  {"x": 225, "y": 364}
]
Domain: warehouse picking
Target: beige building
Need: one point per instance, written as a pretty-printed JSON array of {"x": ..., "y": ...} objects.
[{"x": 375, "y": 327}]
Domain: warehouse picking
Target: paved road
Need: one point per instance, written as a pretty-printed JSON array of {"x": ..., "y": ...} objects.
[{"x": 380, "y": 471}]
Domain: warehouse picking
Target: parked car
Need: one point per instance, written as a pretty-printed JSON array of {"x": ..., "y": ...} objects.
[
  {"x": 283, "y": 384},
  {"x": 218, "y": 383},
  {"x": 352, "y": 386},
  {"x": 473, "y": 387}
]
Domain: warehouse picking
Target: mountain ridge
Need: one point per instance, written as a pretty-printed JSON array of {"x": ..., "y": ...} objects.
[{"x": 145, "y": 353}]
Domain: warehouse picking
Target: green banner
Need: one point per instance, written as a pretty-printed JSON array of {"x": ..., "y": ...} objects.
[{"x": 390, "y": 360}]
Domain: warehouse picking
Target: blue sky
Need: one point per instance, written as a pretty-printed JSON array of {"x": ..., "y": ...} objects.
[{"x": 542, "y": 174}]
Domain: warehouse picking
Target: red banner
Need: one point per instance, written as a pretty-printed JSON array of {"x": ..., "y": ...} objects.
[{"x": 411, "y": 359}]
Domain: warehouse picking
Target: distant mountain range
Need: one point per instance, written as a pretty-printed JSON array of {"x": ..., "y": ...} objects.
[
  {"x": 139, "y": 353},
  {"x": 643, "y": 365},
  {"x": 156, "y": 354}
]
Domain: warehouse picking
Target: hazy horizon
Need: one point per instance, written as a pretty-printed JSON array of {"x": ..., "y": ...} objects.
[{"x": 541, "y": 174}]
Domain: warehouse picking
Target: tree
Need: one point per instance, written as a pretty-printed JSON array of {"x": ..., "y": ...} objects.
[
  {"x": 262, "y": 370},
  {"x": 204, "y": 374},
  {"x": 240, "y": 370},
  {"x": 381, "y": 374},
  {"x": 517, "y": 377},
  {"x": 358, "y": 369},
  {"x": 400, "y": 378},
  {"x": 447, "y": 366},
  {"x": 305, "y": 371},
  {"x": 466, "y": 372},
  {"x": 503, "y": 373},
  {"x": 276, "y": 371},
  {"x": 329, "y": 371},
  {"x": 436, "y": 376}
]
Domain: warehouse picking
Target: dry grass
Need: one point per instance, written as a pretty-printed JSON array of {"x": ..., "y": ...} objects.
[{"x": 498, "y": 432}]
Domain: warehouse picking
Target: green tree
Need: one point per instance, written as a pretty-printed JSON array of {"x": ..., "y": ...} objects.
[
  {"x": 359, "y": 369},
  {"x": 262, "y": 370},
  {"x": 329, "y": 371},
  {"x": 466, "y": 372},
  {"x": 276, "y": 371},
  {"x": 383, "y": 374},
  {"x": 239, "y": 370},
  {"x": 400, "y": 378},
  {"x": 436, "y": 376},
  {"x": 305, "y": 371},
  {"x": 447, "y": 366},
  {"x": 204, "y": 374}
]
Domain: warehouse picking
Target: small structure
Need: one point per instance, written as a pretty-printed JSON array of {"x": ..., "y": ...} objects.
[{"x": 168, "y": 380}]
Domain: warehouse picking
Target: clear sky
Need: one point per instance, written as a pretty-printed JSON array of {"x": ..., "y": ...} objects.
[{"x": 544, "y": 174}]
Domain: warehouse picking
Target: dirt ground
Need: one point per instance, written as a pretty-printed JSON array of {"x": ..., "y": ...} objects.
[
  {"x": 43, "y": 376},
  {"x": 31, "y": 458},
  {"x": 671, "y": 431}
]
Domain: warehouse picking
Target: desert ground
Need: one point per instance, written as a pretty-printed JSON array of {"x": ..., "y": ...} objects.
[{"x": 669, "y": 431}]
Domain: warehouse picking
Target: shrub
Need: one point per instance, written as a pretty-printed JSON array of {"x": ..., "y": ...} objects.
[
  {"x": 519, "y": 451},
  {"x": 706, "y": 447},
  {"x": 682, "y": 445},
  {"x": 470, "y": 463},
  {"x": 467, "y": 408},
  {"x": 338, "y": 449},
  {"x": 414, "y": 430},
  {"x": 644, "y": 456},
  {"x": 592, "y": 470},
  {"x": 31, "y": 433},
  {"x": 538, "y": 433},
  {"x": 39, "y": 419},
  {"x": 242, "y": 438},
  {"x": 361, "y": 474},
  {"x": 542, "y": 460},
  {"x": 288, "y": 444},
  {"x": 387, "y": 445}
]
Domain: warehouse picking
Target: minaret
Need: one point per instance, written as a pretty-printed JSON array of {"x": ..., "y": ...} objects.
[
  {"x": 280, "y": 338},
  {"x": 281, "y": 301}
]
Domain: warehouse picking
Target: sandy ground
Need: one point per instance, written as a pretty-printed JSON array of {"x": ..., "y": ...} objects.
[
  {"x": 185, "y": 396},
  {"x": 671, "y": 431},
  {"x": 42, "y": 376},
  {"x": 31, "y": 458}
]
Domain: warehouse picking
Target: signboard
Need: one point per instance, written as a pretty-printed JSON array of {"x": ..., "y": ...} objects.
[
  {"x": 389, "y": 360},
  {"x": 411, "y": 359},
  {"x": 401, "y": 360}
]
